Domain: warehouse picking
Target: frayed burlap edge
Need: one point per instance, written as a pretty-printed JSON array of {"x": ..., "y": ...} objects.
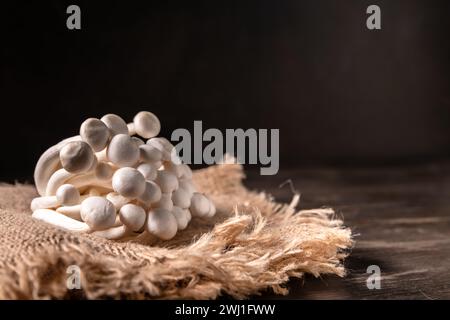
[{"x": 253, "y": 245}]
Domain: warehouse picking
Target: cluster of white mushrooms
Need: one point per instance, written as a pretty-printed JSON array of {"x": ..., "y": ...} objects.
[{"x": 109, "y": 182}]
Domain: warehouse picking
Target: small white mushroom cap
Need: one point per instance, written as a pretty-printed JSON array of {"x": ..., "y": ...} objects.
[
  {"x": 176, "y": 169},
  {"x": 181, "y": 198},
  {"x": 146, "y": 124},
  {"x": 186, "y": 171},
  {"x": 150, "y": 153},
  {"x": 182, "y": 216},
  {"x": 138, "y": 141},
  {"x": 122, "y": 151},
  {"x": 163, "y": 145},
  {"x": 68, "y": 195},
  {"x": 132, "y": 216},
  {"x": 95, "y": 133},
  {"x": 128, "y": 182},
  {"x": 115, "y": 124},
  {"x": 167, "y": 181},
  {"x": 187, "y": 185},
  {"x": 165, "y": 202},
  {"x": 104, "y": 171},
  {"x": 149, "y": 171},
  {"x": 162, "y": 223},
  {"x": 188, "y": 215},
  {"x": 77, "y": 157},
  {"x": 212, "y": 209},
  {"x": 151, "y": 194},
  {"x": 98, "y": 213},
  {"x": 200, "y": 205}
]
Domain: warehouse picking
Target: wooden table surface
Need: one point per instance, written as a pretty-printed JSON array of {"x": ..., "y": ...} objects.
[{"x": 400, "y": 216}]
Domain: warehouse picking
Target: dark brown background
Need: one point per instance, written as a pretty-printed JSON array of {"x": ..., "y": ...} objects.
[{"x": 338, "y": 92}]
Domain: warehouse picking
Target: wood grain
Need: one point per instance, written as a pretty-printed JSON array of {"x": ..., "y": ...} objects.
[{"x": 401, "y": 220}]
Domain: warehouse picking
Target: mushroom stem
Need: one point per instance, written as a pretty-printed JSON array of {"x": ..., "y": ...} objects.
[
  {"x": 45, "y": 202},
  {"x": 70, "y": 211},
  {"x": 58, "y": 178},
  {"x": 131, "y": 129},
  {"x": 48, "y": 163},
  {"x": 59, "y": 220},
  {"x": 114, "y": 233},
  {"x": 90, "y": 180}
]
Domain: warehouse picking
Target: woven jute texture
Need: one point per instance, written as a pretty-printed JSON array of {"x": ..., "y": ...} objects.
[{"x": 252, "y": 244}]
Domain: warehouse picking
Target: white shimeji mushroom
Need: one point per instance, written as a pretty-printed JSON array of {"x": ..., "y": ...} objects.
[
  {"x": 149, "y": 153},
  {"x": 133, "y": 219},
  {"x": 128, "y": 182},
  {"x": 200, "y": 205},
  {"x": 98, "y": 213},
  {"x": 77, "y": 157},
  {"x": 117, "y": 200},
  {"x": 48, "y": 163},
  {"x": 115, "y": 124},
  {"x": 181, "y": 198},
  {"x": 182, "y": 216},
  {"x": 162, "y": 223},
  {"x": 146, "y": 124},
  {"x": 165, "y": 202},
  {"x": 84, "y": 181},
  {"x": 151, "y": 194},
  {"x": 212, "y": 209},
  {"x": 167, "y": 181},
  {"x": 59, "y": 220},
  {"x": 71, "y": 211},
  {"x": 66, "y": 195},
  {"x": 95, "y": 133},
  {"x": 187, "y": 186},
  {"x": 149, "y": 171},
  {"x": 123, "y": 151},
  {"x": 104, "y": 171},
  {"x": 139, "y": 142}
]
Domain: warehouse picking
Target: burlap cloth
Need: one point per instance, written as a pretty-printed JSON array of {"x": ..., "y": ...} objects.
[{"x": 252, "y": 244}]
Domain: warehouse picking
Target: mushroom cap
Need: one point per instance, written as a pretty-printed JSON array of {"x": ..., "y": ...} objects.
[
  {"x": 146, "y": 124},
  {"x": 95, "y": 133},
  {"x": 167, "y": 181},
  {"x": 181, "y": 198},
  {"x": 176, "y": 169},
  {"x": 128, "y": 182},
  {"x": 200, "y": 205},
  {"x": 103, "y": 171},
  {"x": 164, "y": 202},
  {"x": 138, "y": 141},
  {"x": 182, "y": 216},
  {"x": 162, "y": 223},
  {"x": 133, "y": 216},
  {"x": 150, "y": 153},
  {"x": 123, "y": 151},
  {"x": 76, "y": 157},
  {"x": 151, "y": 194},
  {"x": 149, "y": 171},
  {"x": 98, "y": 213},
  {"x": 163, "y": 145},
  {"x": 186, "y": 172},
  {"x": 68, "y": 195},
  {"x": 187, "y": 185},
  {"x": 212, "y": 209},
  {"x": 115, "y": 124}
]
